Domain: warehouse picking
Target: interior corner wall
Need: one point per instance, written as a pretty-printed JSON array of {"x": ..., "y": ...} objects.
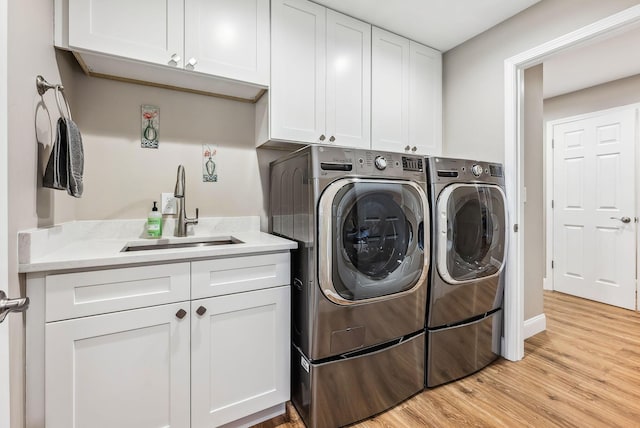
[
  {"x": 612, "y": 94},
  {"x": 534, "y": 207},
  {"x": 473, "y": 72}
]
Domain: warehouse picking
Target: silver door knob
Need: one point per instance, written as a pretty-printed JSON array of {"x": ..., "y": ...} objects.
[
  {"x": 191, "y": 64},
  {"x": 12, "y": 305},
  {"x": 174, "y": 60},
  {"x": 622, "y": 219}
]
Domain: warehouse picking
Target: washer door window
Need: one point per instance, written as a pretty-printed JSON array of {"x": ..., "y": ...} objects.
[
  {"x": 472, "y": 223},
  {"x": 371, "y": 235}
]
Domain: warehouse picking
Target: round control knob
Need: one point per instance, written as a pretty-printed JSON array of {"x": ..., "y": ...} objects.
[
  {"x": 476, "y": 170},
  {"x": 380, "y": 162}
]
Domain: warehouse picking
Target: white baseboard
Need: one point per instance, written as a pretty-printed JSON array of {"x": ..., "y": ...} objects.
[{"x": 534, "y": 325}]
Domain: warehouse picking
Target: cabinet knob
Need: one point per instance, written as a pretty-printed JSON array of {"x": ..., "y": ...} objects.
[
  {"x": 414, "y": 148},
  {"x": 332, "y": 139},
  {"x": 407, "y": 148},
  {"x": 175, "y": 59},
  {"x": 181, "y": 313},
  {"x": 191, "y": 64},
  {"x": 322, "y": 137},
  {"x": 201, "y": 310}
]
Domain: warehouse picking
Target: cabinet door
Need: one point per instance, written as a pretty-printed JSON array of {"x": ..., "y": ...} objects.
[
  {"x": 425, "y": 100},
  {"x": 240, "y": 355},
  {"x": 146, "y": 30},
  {"x": 297, "y": 93},
  {"x": 228, "y": 38},
  {"x": 127, "y": 369},
  {"x": 389, "y": 91},
  {"x": 348, "y": 81}
]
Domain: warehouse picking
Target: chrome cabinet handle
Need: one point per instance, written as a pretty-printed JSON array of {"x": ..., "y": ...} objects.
[
  {"x": 407, "y": 148},
  {"x": 191, "y": 64},
  {"x": 201, "y": 310},
  {"x": 322, "y": 137},
  {"x": 622, "y": 219},
  {"x": 332, "y": 139},
  {"x": 174, "y": 60},
  {"x": 12, "y": 305},
  {"x": 414, "y": 148}
]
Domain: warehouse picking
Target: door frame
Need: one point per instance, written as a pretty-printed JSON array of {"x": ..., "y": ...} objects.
[
  {"x": 5, "y": 389},
  {"x": 514, "y": 67},
  {"x": 549, "y": 183}
]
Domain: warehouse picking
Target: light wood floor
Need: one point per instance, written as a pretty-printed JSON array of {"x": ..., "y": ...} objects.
[{"x": 584, "y": 371}]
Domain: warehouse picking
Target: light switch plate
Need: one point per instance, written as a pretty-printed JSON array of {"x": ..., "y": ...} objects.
[{"x": 168, "y": 204}]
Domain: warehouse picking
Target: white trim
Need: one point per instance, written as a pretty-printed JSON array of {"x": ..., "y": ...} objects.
[
  {"x": 5, "y": 390},
  {"x": 534, "y": 325},
  {"x": 513, "y": 106}
]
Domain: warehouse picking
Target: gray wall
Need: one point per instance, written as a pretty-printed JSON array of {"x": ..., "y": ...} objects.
[
  {"x": 533, "y": 181},
  {"x": 473, "y": 87},
  {"x": 608, "y": 95}
]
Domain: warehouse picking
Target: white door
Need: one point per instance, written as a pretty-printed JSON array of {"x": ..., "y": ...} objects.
[
  {"x": 297, "y": 93},
  {"x": 228, "y": 38},
  {"x": 348, "y": 81},
  {"x": 126, "y": 369},
  {"x": 594, "y": 190},
  {"x": 240, "y": 355},
  {"x": 147, "y": 30},
  {"x": 389, "y": 91}
]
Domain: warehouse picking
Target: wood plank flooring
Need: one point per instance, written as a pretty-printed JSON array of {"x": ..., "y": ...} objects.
[{"x": 583, "y": 371}]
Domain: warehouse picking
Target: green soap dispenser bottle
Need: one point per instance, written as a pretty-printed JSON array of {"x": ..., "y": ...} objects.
[{"x": 154, "y": 222}]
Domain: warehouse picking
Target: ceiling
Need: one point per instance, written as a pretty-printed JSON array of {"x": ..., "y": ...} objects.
[{"x": 440, "y": 24}]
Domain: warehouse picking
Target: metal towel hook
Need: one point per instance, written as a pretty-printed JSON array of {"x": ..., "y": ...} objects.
[{"x": 43, "y": 86}]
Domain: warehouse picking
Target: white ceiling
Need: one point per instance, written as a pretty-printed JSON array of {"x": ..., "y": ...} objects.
[
  {"x": 602, "y": 61},
  {"x": 440, "y": 24}
]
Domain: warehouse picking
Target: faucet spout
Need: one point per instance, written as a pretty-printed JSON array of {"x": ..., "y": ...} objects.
[
  {"x": 179, "y": 190},
  {"x": 179, "y": 193}
]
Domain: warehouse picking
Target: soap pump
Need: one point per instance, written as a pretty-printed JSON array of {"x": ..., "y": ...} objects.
[{"x": 154, "y": 222}]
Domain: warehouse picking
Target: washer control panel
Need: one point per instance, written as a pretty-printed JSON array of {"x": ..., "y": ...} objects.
[
  {"x": 380, "y": 162},
  {"x": 461, "y": 170}
]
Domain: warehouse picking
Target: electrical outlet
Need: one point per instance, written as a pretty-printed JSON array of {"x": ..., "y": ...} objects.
[{"x": 168, "y": 204}]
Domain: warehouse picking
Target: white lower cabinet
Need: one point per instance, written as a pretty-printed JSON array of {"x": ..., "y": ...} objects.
[
  {"x": 239, "y": 355},
  {"x": 126, "y": 369},
  {"x": 95, "y": 361}
]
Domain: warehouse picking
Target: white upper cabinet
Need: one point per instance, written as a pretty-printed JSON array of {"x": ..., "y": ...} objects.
[
  {"x": 223, "y": 43},
  {"x": 348, "y": 94},
  {"x": 228, "y": 38},
  {"x": 425, "y": 99},
  {"x": 297, "y": 71},
  {"x": 406, "y": 95},
  {"x": 321, "y": 76},
  {"x": 148, "y": 30},
  {"x": 390, "y": 91}
]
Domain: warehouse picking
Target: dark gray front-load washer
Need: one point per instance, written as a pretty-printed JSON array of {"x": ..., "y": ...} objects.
[
  {"x": 469, "y": 238},
  {"x": 361, "y": 220}
]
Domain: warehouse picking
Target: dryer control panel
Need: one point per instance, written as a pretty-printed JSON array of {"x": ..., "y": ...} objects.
[{"x": 445, "y": 170}]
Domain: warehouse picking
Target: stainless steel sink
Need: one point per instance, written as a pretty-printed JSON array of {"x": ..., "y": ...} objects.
[{"x": 160, "y": 245}]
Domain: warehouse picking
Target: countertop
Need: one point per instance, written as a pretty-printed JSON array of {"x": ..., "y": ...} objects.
[{"x": 83, "y": 245}]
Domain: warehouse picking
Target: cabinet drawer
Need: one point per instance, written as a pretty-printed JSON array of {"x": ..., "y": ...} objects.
[
  {"x": 234, "y": 275},
  {"x": 81, "y": 294}
]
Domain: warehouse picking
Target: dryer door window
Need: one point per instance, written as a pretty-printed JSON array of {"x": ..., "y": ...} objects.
[
  {"x": 373, "y": 245},
  {"x": 472, "y": 232}
]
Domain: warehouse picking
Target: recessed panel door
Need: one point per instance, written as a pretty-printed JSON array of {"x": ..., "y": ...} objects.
[{"x": 594, "y": 225}]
